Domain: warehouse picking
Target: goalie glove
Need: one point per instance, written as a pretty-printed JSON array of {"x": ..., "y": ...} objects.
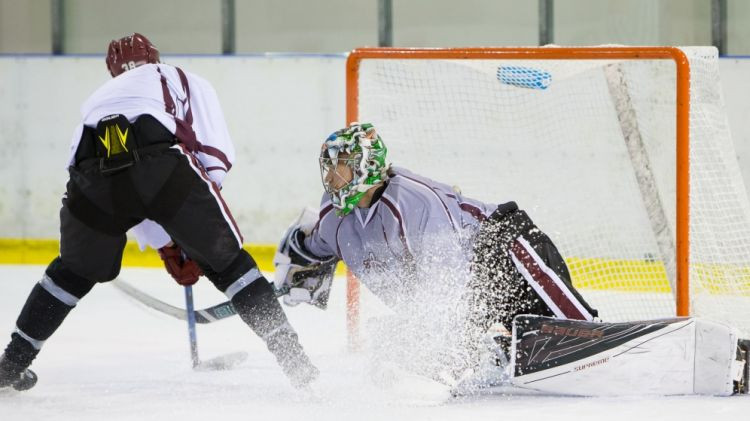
[
  {"x": 310, "y": 285},
  {"x": 306, "y": 277}
]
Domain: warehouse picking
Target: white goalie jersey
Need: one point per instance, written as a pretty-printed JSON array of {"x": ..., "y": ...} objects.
[{"x": 417, "y": 230}]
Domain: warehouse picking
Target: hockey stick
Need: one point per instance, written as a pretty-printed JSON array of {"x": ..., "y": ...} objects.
[
  {"x": 190, "y": 312},
  {"x": 202, "y": 316},
  {"x": 222, "y": 362}
]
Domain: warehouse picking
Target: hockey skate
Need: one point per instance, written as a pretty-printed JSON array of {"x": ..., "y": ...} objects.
[
  {"x": 284, "y": 345},
  {"x": 15, "y": 376},
  {"x": 493, "y": 369}
]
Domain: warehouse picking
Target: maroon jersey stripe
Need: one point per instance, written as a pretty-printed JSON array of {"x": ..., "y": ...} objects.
[
  {"x": 397, "y": 215},
  {"x": 184, "y": 129},
  {"x": 561, "y": 298},
  {"x": 473, "y": 211}
]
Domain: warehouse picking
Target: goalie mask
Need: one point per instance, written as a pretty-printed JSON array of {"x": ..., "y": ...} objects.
[{"x": 352, "y": 161}]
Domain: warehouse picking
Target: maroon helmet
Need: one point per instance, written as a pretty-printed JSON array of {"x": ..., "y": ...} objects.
[{"x": 130, "y": 52}]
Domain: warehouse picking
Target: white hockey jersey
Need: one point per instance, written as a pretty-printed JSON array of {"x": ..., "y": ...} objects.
[{"x": 188, "y": 107}]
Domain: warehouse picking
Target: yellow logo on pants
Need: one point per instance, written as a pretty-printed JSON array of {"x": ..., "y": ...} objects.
[{"x": 120, "y": 145}]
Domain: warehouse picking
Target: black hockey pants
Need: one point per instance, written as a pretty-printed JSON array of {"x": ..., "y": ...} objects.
[
  {"x": 518, "y": 270},
  {"x": 167, "y": 186}
]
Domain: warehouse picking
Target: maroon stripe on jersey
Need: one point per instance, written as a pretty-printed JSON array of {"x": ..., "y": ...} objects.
[
  {"x": 216, "y": 153},
  {"x": 183, "y": 128},
  {"x": 323, "y": 212},
  {"x": 561, "y": 298},
  {"x": 186, "y": 88},
  {"x": 216, "y": 169},
  {"x": 388, "y": 243},
  {"x": 397, "y": 215},
  {"x": 169, "y": 106},
  {"x": 338, "y": 247},
  {"x": 473, "y": 210},
  {"x": 215, "y": 189},
  {"x": 450, "y": 217}
]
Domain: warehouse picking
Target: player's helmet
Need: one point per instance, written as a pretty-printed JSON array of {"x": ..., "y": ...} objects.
[
  {"x": 364, "y": 153},
  {"x": 130, "y": 52}
]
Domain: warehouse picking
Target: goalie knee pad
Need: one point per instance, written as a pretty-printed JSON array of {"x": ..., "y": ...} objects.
[{"x": 50, "y": 302}]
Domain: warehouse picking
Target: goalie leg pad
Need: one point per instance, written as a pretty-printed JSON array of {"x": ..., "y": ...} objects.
[{"x": 655, "y": 357}]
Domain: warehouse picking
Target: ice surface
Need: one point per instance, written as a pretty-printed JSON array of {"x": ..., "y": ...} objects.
[{"x": 115, "y": 360}]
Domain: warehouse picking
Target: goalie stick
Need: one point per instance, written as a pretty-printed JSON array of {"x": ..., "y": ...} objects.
[{"x": 202, "y": 316}]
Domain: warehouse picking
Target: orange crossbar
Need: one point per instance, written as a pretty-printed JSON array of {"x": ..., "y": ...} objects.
[{"x": 682, "y": 295}]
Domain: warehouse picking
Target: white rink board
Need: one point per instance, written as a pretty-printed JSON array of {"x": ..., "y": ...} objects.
[
  {"x": 278, "y": 107},
  {"x": 114, "y": 360}
]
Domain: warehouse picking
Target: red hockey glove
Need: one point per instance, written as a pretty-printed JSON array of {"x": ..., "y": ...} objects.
[{"x": 185, "y": 271}]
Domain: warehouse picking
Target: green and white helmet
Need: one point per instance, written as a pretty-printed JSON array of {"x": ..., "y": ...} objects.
[{"x": 362, "y": 150}]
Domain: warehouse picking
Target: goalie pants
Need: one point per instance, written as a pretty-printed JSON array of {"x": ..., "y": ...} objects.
[{"x": 518, "y": 270}]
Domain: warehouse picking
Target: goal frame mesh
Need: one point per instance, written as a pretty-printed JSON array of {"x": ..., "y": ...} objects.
[{"x": 682, "y": 129}]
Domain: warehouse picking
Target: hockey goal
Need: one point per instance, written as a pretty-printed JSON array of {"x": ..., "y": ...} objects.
[{"x": 621, "y": 154}]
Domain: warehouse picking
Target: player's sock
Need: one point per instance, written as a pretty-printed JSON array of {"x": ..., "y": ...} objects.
[{"x": 258, "y": 307}]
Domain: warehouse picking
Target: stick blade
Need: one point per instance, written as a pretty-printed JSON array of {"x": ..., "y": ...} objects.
[{"x": 222, "y": 362}]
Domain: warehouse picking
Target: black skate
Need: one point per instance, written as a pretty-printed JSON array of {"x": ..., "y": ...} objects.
[{"x": 15, "y": 376}]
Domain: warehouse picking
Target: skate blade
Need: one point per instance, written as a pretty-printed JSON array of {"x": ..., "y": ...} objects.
[{"x": 222, "y": 362}]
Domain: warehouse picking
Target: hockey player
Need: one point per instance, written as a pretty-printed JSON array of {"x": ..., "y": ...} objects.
[
  {"x": 401, "y": 234},
  {"x": 150, "y": 154}
]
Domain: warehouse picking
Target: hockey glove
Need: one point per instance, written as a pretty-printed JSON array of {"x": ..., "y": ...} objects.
[
  {"x": 310, "y": 285},
  {"x": 184, "y": 271},
  {"x": 306, "y": 277}
]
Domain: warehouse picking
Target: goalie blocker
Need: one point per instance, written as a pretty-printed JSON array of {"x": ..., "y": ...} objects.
[
  {"x": 660, "y": 357},
  {"x": 303, "y": 277}
]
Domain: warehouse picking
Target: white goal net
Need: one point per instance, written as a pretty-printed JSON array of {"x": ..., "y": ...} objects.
[{"x": 588, "y": 147}]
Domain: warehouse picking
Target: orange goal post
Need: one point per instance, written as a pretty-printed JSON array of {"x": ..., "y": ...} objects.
[{"x": 621, "y": 154}]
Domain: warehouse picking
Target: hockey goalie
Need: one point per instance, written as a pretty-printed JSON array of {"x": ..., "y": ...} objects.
[{"x": 480, "y": 296}]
